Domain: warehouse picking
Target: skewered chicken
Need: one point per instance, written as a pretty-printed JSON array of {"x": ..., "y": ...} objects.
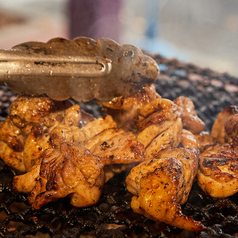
[
  {"x": 69, "y": 170},
  {"x": 160, "y": 185},
  {"x": 225, "y": 128},
  {"x": 189, "y": 116},
  {"x": 218, "y": 170}
]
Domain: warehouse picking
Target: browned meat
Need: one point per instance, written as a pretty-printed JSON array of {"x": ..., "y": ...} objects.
[
  {"x": 70, "y": 170},
  {"x": 11, "y": 157},
  {"x": 160, "y": 185},
  {"x": 35, "y": 124},
  {"x": 188, "y": 140},
  {"x": 204, "y": 140},
  {"x": 119, "y": 149},
  {"x": 116, "y": 147},
  {"x": 32, "y": 136},
  {"x": 189, "y": 116},
  {"x": 95, "y": 127},
  {"x": 125, "y": 110},
  {"x": 155, "y": 121},
  {"x": 27, "y": 109},
  {"x": 169, "y": 138},
  {"x": 225, "y": 128},
  {"x": 218, "y": 170},
  {"x": 42, "y": 138},
  {"x": 160, "y": 127}
]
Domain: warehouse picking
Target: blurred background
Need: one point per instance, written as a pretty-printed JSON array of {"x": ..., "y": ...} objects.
[{"x": 203, "y": 32}]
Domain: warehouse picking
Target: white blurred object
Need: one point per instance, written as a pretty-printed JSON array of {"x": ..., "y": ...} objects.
[
  {"x": 44, "y": 19},
  {"x": 201, "y": 32}
]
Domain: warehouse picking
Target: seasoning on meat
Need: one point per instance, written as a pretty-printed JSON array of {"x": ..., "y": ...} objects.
[
  {"x": 218, "y": 170},
  {"x": 70, "y": 170},
  {"x": 160, "y": 185}
]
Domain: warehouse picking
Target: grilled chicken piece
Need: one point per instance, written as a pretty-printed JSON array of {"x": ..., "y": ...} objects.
[
  {"x": 116, "y": 147},
  {"x": 11, "y": 157},
  {"x": 35, "y": 124},
  {"x": 160, "y": 127},
  {"x": 169, "y": 138},
  {"x": 155, "y": 121},
  {"x": 42, "y": 137},
  {"x": 218, "y": 170},
  {"x": 225, "y": 128},
  {"x": 119, "y": 149},
  {"x": 189, "y": 116},
  {"x": 23, "y": 113},
  {"x": 95, "y": 127},
  {"x": 125, "y": 110},
  {"x": 188, "y": 140},
  {"x": 70, "y": 170},
  {"x": 11, "y": 144},
  {"x": 26, "y": 109},
  {"x": 204, "y": 140},
  {"x": 160, "y": 185}
]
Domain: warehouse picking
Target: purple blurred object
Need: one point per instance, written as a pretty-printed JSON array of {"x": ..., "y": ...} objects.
[{"x": 94, "y": 18}]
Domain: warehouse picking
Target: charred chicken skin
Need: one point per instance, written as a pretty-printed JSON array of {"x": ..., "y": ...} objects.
[
  {"x": 119, "y": 149},
  {"x": 35, "y": 124},
  {"x": 33, "y": 135},
  {"x": 160, "y": 127},
  {"x": 69, "y": 170},
  {"x": 160, "y": 185},
  {"x": 154, "y": 120},
  {"x": 218, "y": 170},
  {"x": 116, "y": 146},
  {"x": 67, "y": 152},
  {"x": 125, "y": 110}
]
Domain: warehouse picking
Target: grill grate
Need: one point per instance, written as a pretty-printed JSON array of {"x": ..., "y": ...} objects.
[{"x": 211, "y": 92}]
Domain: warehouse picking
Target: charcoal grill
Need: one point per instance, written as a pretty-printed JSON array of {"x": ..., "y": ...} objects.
[{"x": 211, "y": 92}]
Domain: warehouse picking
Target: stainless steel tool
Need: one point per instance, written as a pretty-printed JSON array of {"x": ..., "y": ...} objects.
[{"x": 82, "y": 69}]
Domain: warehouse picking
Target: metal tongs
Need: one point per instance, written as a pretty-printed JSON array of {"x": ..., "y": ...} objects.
[
  {"x": 14, "y": 63},
  {"x": 82, "y": 69}
]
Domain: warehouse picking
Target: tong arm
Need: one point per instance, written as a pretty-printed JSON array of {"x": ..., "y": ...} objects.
[{"x": 16, "y": 63}]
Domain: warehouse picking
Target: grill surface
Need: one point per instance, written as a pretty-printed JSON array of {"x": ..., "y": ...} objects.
[{"x": 211, "y": 92}]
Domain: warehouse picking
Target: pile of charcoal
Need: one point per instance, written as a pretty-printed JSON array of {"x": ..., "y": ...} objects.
[{"x": 112, "y": 216}]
